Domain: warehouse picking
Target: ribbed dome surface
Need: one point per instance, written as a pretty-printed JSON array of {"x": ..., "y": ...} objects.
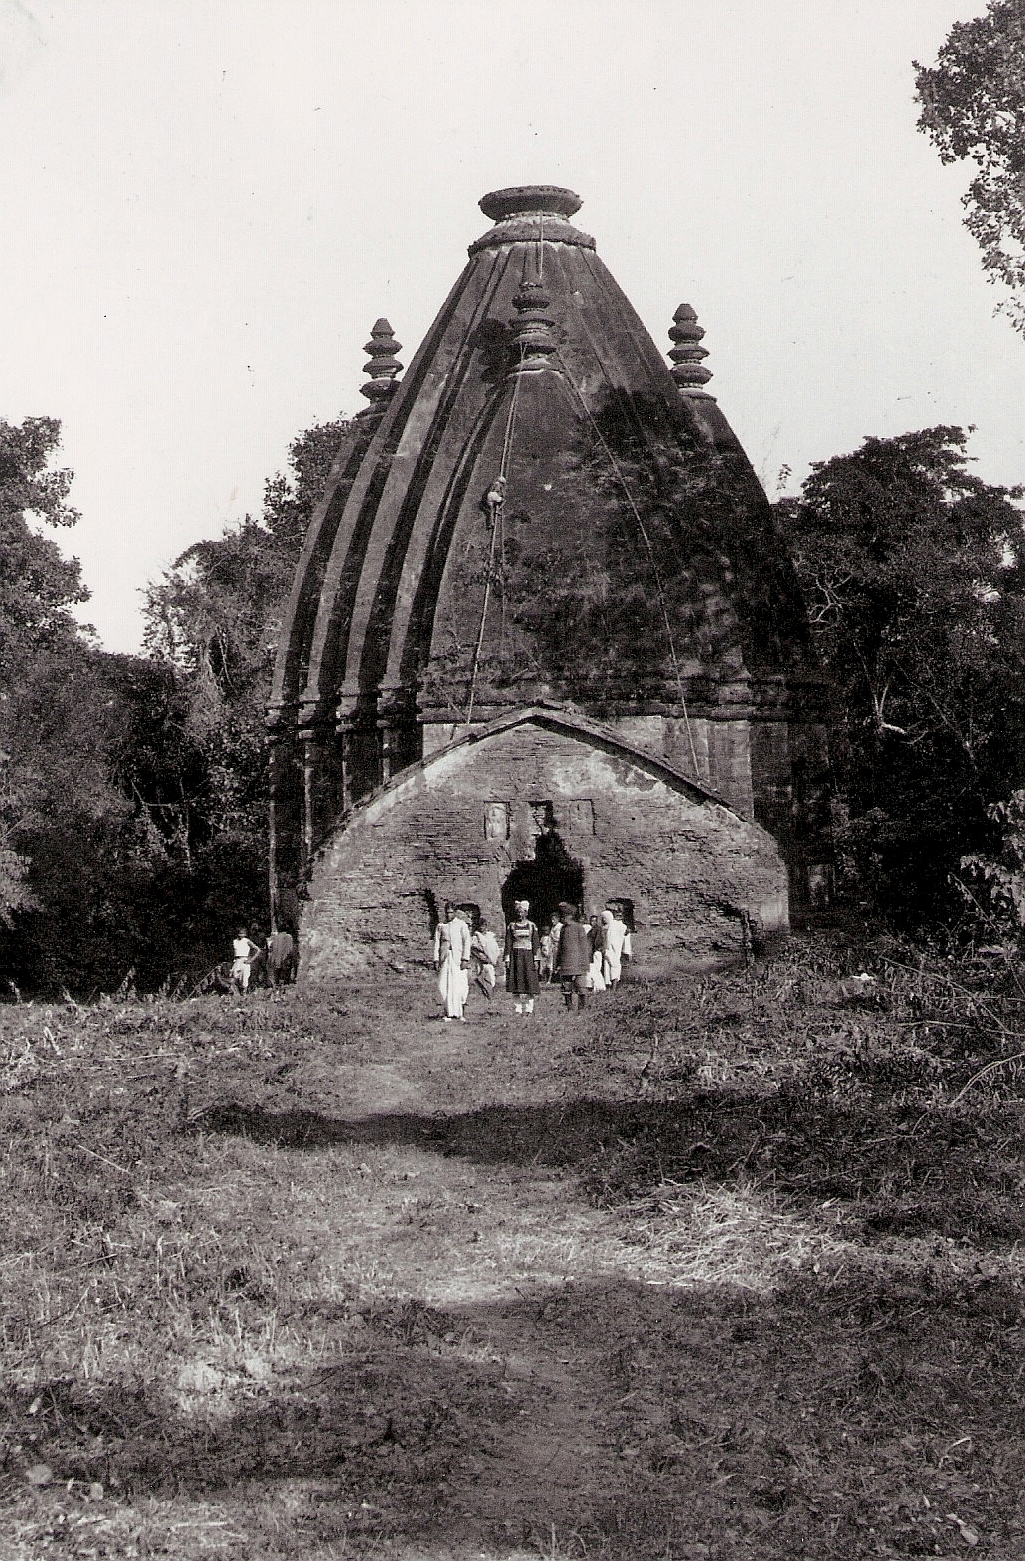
[{"x": 625, "y": 561}]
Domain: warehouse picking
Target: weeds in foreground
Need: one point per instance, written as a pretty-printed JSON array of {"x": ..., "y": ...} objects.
[{"x": 727, "y": 1269}]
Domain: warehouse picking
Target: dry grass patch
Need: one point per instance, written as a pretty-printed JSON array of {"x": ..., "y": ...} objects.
[
  {"x": 719, "y": 1270},
  {"x": 738, "y": 1237}
]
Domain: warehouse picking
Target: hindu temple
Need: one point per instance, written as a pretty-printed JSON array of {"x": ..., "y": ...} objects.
[{"x": 544, "y": 641}]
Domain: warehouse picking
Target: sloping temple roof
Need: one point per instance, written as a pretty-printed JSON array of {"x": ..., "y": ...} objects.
[{"x": 541, "y": 510}]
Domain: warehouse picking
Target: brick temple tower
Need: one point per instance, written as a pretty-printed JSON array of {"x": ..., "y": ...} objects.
[{"x": 543, "y": 638}]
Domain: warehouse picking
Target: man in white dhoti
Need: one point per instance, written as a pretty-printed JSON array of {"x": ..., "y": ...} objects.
[
  {"x": 452, "y": 962},
  {"x": 614, "y": 942}
]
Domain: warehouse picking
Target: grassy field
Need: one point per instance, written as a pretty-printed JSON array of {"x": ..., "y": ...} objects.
[{"x": 727, "y": 1267}]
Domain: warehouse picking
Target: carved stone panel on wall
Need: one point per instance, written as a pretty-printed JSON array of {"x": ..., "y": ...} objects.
[
  {"x": 542, "y": 818},
  {"x": 496, "y": 821},
  {"x": 578, "y": 813}
]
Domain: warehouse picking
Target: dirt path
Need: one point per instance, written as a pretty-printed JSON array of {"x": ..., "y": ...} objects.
[
  {"x": 374, "y": 1285},
  {"x": 548, "y": 1301}
]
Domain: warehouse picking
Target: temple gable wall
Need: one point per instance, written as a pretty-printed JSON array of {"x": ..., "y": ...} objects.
[
  {"x": 454, "y": 827},
  {"x": 721, "y": 749}
]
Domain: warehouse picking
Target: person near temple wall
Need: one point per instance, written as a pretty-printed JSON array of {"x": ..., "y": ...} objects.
[
  {"x": 244, "y": 951},
  {"x": 522, "y": 952},
  {"x": 281, "y": 961},
  {"x": 452, "y": 962},
  {"x": 615, "y": 943},
  {"x": 486, "y": 952},
  {"x": 574, "y": 957}
]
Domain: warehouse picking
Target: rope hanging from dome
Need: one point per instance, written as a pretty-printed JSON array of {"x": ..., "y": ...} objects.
[
  {"x": 536, "y": 339},
  {"x": 495, "y": 500}
]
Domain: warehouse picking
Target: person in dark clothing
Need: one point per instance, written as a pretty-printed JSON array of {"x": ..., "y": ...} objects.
[
  {"x": 574, "y": 957},
  {"x": 280, "y": 957}
]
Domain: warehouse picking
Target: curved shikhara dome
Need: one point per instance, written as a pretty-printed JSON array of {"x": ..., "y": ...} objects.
[
  {"x": 541, "y": 513},
  {"x": 537, "y": 512}
]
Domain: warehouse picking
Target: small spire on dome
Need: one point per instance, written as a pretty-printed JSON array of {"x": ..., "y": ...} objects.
[
  {"x": 533, "y": 329},
  {"x": 687, "y": 352},
  {"x": 383, "y": 364}
]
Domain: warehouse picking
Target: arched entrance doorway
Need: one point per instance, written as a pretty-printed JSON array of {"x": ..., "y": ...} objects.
[{"x": 552, "y": 876}]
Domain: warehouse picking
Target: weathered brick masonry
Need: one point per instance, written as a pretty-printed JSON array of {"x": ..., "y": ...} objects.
[
  {"x": 543, "y": 637},
  {"x": 455, "y": 827}
]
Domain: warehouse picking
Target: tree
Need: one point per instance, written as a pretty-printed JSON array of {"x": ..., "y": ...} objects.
[
  {"x": 215, "y": 618},
  {"x": 913, "y": 570},
  {"x": 973, "y": 105},
  {"x": 213, "y": 624},
  {"x": 217, "y": 611},
  {"x": 38, "y": 585}
]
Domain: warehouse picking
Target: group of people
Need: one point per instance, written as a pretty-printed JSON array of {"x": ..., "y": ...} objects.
[
  {"x": 274, "y": 962},
  {"x": 585, "y": 956}
]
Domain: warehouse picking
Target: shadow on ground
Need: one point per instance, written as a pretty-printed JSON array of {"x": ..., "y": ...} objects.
[
  {"x": 955, "y": 1175},
  {"x": 636, "y": 1418}
]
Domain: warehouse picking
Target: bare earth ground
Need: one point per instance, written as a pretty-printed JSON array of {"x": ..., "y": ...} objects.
[{"x": 721, "y": 1268}]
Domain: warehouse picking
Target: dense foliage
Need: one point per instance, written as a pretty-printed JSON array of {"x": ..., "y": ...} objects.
[
  {"x": 973, "y": 105},
  {"x": 913, "y": 573},
  {"x": 38, "y": 588},
  {"x": 133, "y": 789}
]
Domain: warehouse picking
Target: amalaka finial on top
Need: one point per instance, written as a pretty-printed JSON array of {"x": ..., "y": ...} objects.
[
  {"x": 383, "y": 366},
  {"x": 530, "y": 199},
  {"x": 527, "y": 213},
  {"x": 687, "y": 352}
]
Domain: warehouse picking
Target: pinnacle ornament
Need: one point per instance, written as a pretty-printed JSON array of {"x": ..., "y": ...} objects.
[
  {"x": 383, "y": 364},
  {"x": 687, "y": 352}
]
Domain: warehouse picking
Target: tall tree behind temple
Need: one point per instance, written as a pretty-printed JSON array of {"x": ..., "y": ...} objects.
[
  {"x": 914, "y": 575},
  {"x": 38, "y": 588},
  {"x": 973, "y": 105},
  {"x": 215, "y": 618}
]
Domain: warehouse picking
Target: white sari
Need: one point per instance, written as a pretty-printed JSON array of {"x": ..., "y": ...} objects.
[
  {"x": 451, "y": 949},
  {"x": 616, "y": 935}
]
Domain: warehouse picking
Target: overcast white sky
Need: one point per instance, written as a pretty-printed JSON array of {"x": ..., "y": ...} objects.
[{"x": 207, "y": 204}]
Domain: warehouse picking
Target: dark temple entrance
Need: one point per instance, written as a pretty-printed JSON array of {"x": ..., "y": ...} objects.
[{"x": 553, "y": 876}]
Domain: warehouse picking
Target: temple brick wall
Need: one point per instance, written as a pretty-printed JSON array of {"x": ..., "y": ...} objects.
[
  {"x": 455, "y": 826},
  {"x": 722, "y": 750}
]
